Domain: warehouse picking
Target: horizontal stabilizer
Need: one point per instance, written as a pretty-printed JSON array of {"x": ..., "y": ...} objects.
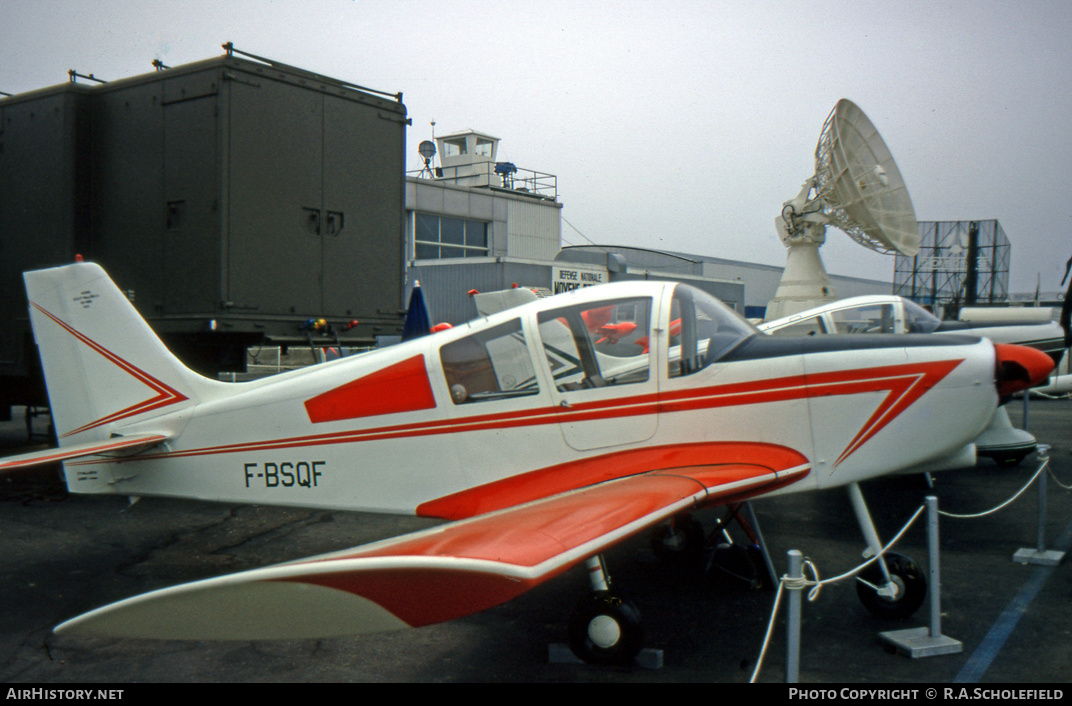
[
  {"x": 427, "y": 577},
  {"x": 118, "y": 446}
]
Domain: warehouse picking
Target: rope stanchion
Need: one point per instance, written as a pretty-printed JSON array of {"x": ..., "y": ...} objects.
[
  {"x": 792, "y": 649},
  {"x": 788, "y": 583},
  {"x": 928, "y": 641},
  {"x": 1040, "y": 556}
]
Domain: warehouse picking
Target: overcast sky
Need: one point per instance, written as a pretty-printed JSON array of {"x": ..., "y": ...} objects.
[{"x": 680, "y": 125}]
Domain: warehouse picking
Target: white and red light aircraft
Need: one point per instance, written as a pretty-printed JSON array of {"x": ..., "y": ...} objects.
[
  {"x": 542, "y": 435},
  {"x": 888, "y": 313}
]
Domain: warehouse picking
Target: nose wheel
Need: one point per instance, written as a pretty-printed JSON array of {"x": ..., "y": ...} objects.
[
  {"x": 898, "y": 598},
  {"x": 893, "y": 586}
]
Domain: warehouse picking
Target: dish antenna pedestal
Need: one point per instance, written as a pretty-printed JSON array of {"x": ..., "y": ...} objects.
[{"x": 857, "y": 188}]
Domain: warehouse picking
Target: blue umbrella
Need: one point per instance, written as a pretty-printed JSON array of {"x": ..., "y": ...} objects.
[{"x": 418, "y": 323}]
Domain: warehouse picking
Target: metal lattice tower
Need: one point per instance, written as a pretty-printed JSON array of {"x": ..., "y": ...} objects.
[{"x": 959, "y": 263}]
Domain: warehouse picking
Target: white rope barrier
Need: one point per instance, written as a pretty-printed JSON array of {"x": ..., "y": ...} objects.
[
  {"x": 816, "y": 584},
  {"x": 1058, "y": 482},
  {"x": 1008, "y": 502}
]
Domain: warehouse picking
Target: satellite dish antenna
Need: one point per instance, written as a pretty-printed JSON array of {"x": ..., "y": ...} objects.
[{"x": 857, "y": 188}]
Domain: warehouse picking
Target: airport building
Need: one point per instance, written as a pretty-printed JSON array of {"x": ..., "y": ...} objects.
[{"x": 474, "y": 223}]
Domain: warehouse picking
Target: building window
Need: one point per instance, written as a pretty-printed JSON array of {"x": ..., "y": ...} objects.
[
  {"x": 454, "y": 147},
  {"x": 438, "y": 237},
  {"x": 484, "y": 147}
]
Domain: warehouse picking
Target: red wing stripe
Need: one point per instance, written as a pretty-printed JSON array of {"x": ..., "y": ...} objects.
[
  {"x": 37, "y": 458},
  {"x": 524, "y": 545}
]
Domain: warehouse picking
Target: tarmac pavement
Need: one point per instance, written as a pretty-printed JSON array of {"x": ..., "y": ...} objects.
[{"x": 61, "y": 555}]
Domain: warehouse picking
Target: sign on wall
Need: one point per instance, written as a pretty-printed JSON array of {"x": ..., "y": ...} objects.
[{"x": 563, "y": 279}]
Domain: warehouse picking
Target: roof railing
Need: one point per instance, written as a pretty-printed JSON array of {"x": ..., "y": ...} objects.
[{"x": 493, "y": 175}]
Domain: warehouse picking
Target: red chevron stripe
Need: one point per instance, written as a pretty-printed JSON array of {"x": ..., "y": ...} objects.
[
  {"x": 904, "y": 384},
  {"x": 164, "y": 397}
]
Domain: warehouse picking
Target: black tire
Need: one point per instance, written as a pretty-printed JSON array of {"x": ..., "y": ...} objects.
[
  {"x": 738, "y": 567},
  {"x": 1010, "y": 460},
  {"x": 605, "y": 629},
  {"x": 679, "y": 543},
  {"x": 911, "y": 583}
]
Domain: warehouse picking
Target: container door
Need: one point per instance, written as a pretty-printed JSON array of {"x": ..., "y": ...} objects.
[
  {"x": 274, "y": 166},
  {"x": 362, "y": 211}
]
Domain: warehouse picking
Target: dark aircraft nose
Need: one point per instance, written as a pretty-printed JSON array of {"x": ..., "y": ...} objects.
[{"x": 1020, "y": 367}]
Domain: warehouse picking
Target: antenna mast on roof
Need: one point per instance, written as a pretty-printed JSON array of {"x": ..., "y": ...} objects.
[{"x": 427, "y": 150}]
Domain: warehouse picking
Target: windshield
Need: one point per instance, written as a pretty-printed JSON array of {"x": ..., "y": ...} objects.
[
  {"x": 702, "y": 330},
  {"x": 918, "y": 319}
]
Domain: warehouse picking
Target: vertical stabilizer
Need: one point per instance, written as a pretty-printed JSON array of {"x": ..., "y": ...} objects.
[{"x": 104, "y": 366}]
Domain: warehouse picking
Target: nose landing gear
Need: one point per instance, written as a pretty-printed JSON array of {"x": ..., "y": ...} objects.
[
  {"x": 893, "y": 587},
  {"x": 904, "y": 592}
]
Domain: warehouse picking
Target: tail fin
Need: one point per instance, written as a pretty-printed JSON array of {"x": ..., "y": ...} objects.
[{"x": 104, "y": 366}]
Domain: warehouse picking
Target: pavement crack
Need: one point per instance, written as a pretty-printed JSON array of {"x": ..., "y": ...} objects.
[{"x": 243, "y": 537}]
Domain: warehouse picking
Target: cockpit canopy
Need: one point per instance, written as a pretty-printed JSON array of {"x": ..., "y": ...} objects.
[{"x": 594, "y": 343}]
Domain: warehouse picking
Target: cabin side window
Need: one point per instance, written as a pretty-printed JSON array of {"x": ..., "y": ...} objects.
[
  {"x": 872, "y": 318},
  {"x": 918, "y": 319},
  {"x": 489, "y": 365},
  {"x": 805, "y": 327},
  {"x": 599, "y": 344}
]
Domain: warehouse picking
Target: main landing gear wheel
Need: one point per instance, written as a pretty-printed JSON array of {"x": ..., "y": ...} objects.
[
  {"x": 605, "y": 629},
  {"x": 910, "y": 588},
  {"x": 738, "y": 566},
  {"x": 679, "y": 542}
]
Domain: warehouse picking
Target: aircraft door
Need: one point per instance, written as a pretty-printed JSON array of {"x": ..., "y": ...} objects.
[{"x": 598, "y": 358}]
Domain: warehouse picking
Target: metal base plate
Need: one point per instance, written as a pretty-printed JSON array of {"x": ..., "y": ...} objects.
[
  {"x": 917, "y": 642},
  {"x": 1048, "y": 557}
]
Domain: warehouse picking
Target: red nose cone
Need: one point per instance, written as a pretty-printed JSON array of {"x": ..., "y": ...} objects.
[{"x": 1020, "y": 367}]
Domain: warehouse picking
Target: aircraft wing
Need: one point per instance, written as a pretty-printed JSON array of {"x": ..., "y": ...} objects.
[
  {"x": 119, "y": 445},
  {"x": 431, "y": 576}
]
